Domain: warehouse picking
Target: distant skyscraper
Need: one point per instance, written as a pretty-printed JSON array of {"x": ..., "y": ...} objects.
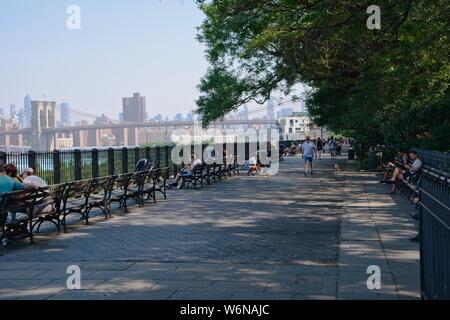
[
  {"x": 134, "y": 109},
  {"x": 178, "y": 117},
  {"x": 158, "y": 118},
  {"x": 189, "y": 117},
  {"x": 65, "y": 114},
  {"x": 302, "y": 106},
  {"x": 1, "y": 112},
  {"x": 284, "y": 112},
  {"x": 101, "y": 120},
  {"x": 121, "y": 116},
  {"x": 26, "y": 119},
  {"x": 20, "y": 116},
  {"x": 245, "y": 112},
  {"x": 12, "y": 110},
  {"x": 270, "y": 110}
]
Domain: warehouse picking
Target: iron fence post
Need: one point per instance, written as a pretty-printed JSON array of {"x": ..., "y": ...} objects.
[
  {"x": 95, "y": 171},
  {"x": 224, "y": 152},
  {"x": 125, "y": 160},
  {"x": 137, "y": 154},
  {"x": 148, "y": 153},
  {"x": 111, "y": 169},
  {"x": 247, "y": 148},
  {"x": 32, "y": 160},
  {"x": 166, "y": 156},
  {"x": 56, "y": 167},
  {"x": 3, "y": 156},
  {"x": 77, "y": 167},
  {"x": 158, "y": 155}
]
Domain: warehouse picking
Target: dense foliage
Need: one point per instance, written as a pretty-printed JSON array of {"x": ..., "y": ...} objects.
[{"x": 380, "y": 86}]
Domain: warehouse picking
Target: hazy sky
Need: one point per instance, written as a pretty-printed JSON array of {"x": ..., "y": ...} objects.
[{"x": 145, "y": 46}]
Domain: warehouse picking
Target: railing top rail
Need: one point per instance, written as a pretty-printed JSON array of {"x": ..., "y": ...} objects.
[{"x": 433, "y": 155}]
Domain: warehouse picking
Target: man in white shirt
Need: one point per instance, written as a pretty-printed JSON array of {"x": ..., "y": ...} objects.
[
  {"x": 309, "y": 150},
  {"x": 253, "y": 165},
  {"x": 399, "y": 174},
  {"x": 29, "y": 178}
]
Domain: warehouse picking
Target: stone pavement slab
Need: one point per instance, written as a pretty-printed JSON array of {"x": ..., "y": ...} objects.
[
  {"x": 375, "y": 231},
  {"x": 281, "y": 237}
]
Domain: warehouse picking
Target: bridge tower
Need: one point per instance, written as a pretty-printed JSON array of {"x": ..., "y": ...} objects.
[{"x": 42, "y": 117}]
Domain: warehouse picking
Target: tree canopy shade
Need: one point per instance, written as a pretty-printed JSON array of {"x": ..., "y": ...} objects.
[{"x": 386, "y": 85}]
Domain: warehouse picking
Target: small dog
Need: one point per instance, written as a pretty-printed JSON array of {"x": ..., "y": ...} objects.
[{"x": 337, "y": 169}]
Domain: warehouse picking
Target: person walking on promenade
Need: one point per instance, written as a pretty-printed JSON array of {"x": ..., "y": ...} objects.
[
  {"x": 332, "y": 146},
  {"x": 319, "y": 148},
  {"x": 309, "y": 150}
]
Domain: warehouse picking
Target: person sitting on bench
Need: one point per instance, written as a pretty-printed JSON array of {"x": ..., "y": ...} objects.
[
  {"x": 400, "y": 175},
  {"x": 293, "y": 149},
  {"x": 11, "y": 171},
  {"x": 186, "y": 171},
  {"x": 284, "y": 150},
  {"x": 29, "y": 177},
  {"x": 8, "y": 184},
  {"x": 253, "y": 166},
  {"x": 390, "y": 166}
]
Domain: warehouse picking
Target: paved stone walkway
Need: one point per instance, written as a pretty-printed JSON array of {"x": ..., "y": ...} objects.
[{"x": 283, "y": 237}]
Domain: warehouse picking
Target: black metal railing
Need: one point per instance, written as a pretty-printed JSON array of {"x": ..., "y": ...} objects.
[
  {"x": 434, "y": 159},
  {"x": 61, "y": 166},
  {"x": 434, "y": 229}
]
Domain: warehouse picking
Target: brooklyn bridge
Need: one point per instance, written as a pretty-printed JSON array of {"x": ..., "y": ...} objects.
[{"x": 44, "y": 134}]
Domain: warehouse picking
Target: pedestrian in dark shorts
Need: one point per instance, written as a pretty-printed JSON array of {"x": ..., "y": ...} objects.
[
  {"x": 308, "y": 151},
  {"x": 319, "y": 147}
]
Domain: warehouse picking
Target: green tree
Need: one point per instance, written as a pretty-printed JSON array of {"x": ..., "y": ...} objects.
[{"x": 375, "y": 85}]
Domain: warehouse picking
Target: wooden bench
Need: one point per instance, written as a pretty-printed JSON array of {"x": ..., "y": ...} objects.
[
  {"x": 49, "y": 206},
  {"x": 99, "y": 195},
  {"x": 76, "y": 200},
  {"x": 16, "y": 215}
]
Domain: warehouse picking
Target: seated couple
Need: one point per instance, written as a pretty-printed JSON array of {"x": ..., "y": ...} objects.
[
  {"x": 186, "y": 171},
  {"x": 399, "y": 174}
]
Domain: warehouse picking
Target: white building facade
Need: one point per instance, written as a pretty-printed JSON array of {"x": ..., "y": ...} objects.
[{"x": 298, "y": 126}]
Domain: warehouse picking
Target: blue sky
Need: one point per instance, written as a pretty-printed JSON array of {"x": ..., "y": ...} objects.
[{"x": 145, "y": 46}]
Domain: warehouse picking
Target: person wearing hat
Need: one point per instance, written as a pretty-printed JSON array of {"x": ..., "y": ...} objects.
[{"x": 29, "y": 178}]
